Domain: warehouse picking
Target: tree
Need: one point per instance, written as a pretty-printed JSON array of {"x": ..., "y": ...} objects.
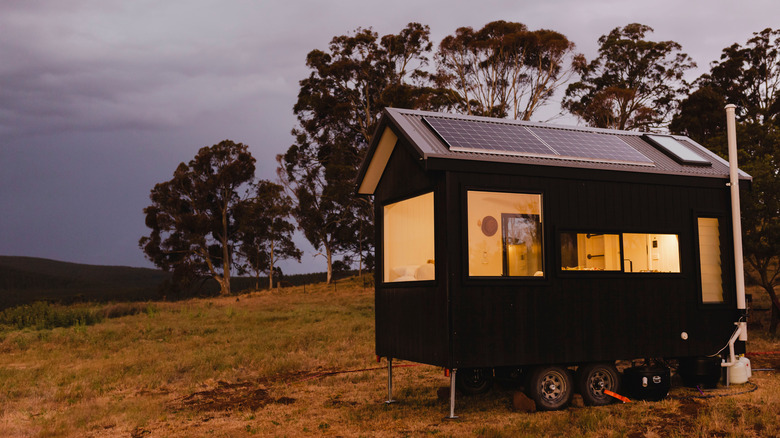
[
  {"x": 749, "y": 77},
  {"x": 761, "y": 210},
  {"x": 701, "y": 116},
  {"x": 503, "y": 69},
  {"x": 192, "y": 216},
  {"x": 337, "y": 109},
  {"x": 634, "y": 84},
  {"x": 325, "y": 208},
  {"x": 264, "y": 233}
]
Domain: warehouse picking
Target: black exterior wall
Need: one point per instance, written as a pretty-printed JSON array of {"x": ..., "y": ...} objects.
[
  {"x": 412, "y": 319},
  {"x": 564, "y": 317},
  {"x": 580, "y": 316}
]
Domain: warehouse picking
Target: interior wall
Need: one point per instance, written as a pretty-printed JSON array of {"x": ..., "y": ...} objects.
[
  {"x": 408, "y": 237},
  {"x": 664, "y": 256},
  {"x": 604, "y": 250},
  {"x": 485, "y": 251},
  {"x": 668, "y": 259}
]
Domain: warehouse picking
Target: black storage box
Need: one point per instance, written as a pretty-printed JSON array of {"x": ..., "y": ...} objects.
[
  {"x": 647, "y": 382},
  {"x": 700, "y": 371}
]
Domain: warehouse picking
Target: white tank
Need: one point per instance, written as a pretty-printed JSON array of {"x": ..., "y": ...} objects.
[
  {"x": 738, "y": 373},
  {"x": 746, "y": 361}
]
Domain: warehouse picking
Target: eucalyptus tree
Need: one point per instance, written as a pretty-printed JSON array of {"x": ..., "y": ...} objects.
[
  {"x": 192, "y": 216},
  {"x": 748, "y": 76},
  {"x": 503, "y": 69},
  {"x": 633, "y": 84},
  {"x": 265, "y": 233},
  {"x": 337, "y": 109}
]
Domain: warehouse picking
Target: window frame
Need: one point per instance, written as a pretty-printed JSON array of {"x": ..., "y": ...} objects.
[
  {"x": 485, "y": 280},
  {"x": 559, "y": 242},
  {"x": 726, "y": 260},
  {"x": 622, "y": 272},
  {"x": 381, "y": 256}
]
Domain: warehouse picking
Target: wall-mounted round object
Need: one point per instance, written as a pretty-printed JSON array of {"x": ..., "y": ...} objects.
[{"x": 489, "y": 226}]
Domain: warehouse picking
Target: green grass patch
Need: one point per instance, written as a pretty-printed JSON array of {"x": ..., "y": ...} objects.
[{"x": 42, "y": 315}]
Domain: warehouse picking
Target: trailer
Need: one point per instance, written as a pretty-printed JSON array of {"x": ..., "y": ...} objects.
[{"x": 509, "y": 248}]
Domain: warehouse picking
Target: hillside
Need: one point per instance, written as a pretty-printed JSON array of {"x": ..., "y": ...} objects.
[{"x": 27, "y": 279}]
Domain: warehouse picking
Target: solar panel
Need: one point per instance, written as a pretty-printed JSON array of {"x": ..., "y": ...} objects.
[
  {"x": 676, "y": 150},
  {"x": 592, "y": 145},
  {"x": 473, "y": 136},
  {"x": 462, "y": 135}
]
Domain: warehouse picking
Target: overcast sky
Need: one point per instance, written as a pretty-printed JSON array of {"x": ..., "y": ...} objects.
[{"x": 101, "y": 99}]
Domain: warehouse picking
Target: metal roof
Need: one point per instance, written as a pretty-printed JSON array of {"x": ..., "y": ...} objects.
[{"x": 409, "y": 124}]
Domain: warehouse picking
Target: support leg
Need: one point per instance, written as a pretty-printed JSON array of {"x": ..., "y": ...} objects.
[
  {"x": 390, "y": 381},
  {"x": 452, "y": 415}
]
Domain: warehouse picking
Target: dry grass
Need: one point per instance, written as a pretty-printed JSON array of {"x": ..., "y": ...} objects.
[{"x": 257, "y": 366}]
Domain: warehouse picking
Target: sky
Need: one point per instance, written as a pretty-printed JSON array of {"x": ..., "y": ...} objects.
[{"x": 102, "y": 99}]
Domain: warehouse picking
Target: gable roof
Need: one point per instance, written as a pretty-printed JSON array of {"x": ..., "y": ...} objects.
[{"x": 531, "y": 144}]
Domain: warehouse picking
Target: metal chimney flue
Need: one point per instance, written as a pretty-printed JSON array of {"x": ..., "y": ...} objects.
[{"x": 736, "y": 218}]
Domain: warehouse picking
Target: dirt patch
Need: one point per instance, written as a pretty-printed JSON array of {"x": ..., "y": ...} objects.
[
  {"x": 661, "y": 421},
  {"x": 140, "y": 432},
  {"x": 243, "y": 396},
  {"x": 689, "y": 408},
  {"x": 246, "y": 396}
]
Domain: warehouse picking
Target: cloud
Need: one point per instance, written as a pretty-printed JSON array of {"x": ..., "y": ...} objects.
[
  {"x": 93, "y": 68},
  {"x": 101, "y": 99}
]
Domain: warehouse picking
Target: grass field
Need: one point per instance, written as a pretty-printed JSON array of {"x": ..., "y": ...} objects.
[{"x": 273, "y": 363}]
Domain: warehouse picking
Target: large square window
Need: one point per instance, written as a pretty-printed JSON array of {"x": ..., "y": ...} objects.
[
  {"x": 409, "y": 240},
  {"x": 505, "y": 234}
]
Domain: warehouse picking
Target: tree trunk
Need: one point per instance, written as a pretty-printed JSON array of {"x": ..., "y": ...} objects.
[
  {"x": 225, "y": 283},
  {"x": 271, "y": 268},
  {"x": 775, "y": 319},
  {"x": 329, "y": 256}
]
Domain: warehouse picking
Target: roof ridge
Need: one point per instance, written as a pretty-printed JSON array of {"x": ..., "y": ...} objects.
[{"x": 515, "y": 122}]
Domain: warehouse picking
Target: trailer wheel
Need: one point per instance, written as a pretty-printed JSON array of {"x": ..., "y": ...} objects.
[
  {"x": 593, "y": 379},
  {"x": 473, "y": 381},
  {"x": 551, "y": 387}
]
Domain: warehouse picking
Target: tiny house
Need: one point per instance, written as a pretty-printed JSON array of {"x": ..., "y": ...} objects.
[{"x": 513, "y": 247}]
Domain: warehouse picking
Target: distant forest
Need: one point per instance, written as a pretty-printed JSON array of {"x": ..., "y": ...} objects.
[{"x": 25, "y": 280}]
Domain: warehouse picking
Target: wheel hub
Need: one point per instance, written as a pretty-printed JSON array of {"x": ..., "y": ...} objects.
[
  {"x": 552, "y": 386},
  {"x": 600, "y": 381}
]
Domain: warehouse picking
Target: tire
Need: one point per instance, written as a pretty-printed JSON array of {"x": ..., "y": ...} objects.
[
  {"x": 551, "y": 387},
  {"x": 474, "y": 381},
  {"x": 593, "y": 379}
]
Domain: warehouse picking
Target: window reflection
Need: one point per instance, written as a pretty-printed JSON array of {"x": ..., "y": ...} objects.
[{"x": 522, "y": 235}]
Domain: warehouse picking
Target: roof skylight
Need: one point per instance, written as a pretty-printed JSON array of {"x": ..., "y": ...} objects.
[{"x": 676, "y": 150}]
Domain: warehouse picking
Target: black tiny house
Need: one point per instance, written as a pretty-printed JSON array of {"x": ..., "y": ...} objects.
[{"x": 503, "y": 244}]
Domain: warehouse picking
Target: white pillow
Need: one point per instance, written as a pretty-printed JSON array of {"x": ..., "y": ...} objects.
[
  {"x": 404, "y": 273},
  {"x": 425, "y": 272}
]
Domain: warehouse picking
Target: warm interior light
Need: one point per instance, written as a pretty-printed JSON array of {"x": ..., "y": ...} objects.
[{"x": 409, "y": 240}]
